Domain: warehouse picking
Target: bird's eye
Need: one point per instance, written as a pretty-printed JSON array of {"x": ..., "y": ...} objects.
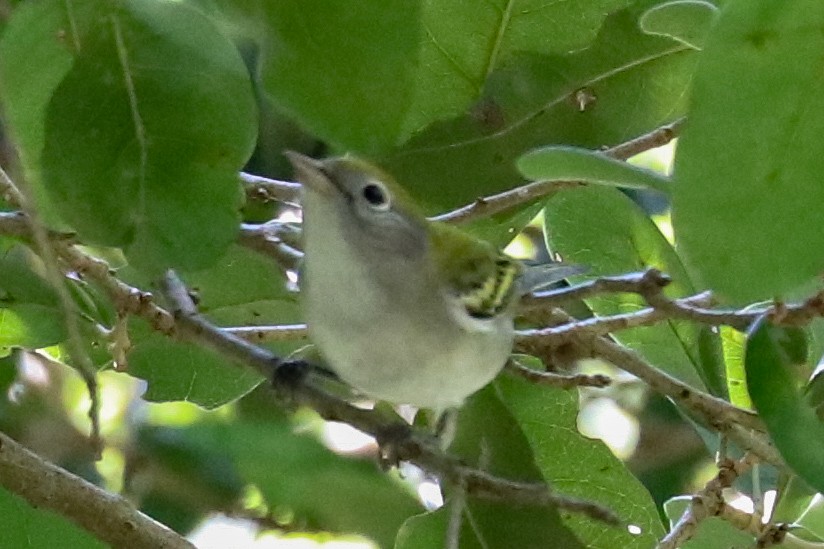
[{"x": 376, "y": 196}]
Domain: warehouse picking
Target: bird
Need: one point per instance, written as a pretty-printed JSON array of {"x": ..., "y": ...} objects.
[{"x": 402, "y": 308}]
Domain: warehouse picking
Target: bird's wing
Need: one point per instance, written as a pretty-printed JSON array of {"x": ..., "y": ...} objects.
[{"x": 480, "y": 277}]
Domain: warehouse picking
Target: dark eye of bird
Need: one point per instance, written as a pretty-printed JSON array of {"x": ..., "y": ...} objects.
[{"x": 375, "y": 195}]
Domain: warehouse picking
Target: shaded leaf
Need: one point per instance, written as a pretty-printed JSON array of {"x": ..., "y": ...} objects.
[
  {"x": 530, "y": 102},
  {"x": 462, "y": 43}
]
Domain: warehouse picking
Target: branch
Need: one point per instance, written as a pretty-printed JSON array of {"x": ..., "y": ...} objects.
[
  {"x": 264, "y": 189},
  {"x": 552, "y": 379},
  {"x": 486, "y": 206},
  {"x": 109, "y": 517}
]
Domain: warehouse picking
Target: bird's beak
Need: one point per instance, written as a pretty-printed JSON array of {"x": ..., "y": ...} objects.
[{"x": 310, "y": 173}]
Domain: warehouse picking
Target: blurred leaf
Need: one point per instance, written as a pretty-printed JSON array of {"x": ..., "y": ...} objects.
[
  {"x": 577, "y": 466},
  {"x": 812, "y": 519},
  {"x": 178, "y": 479},
  {"x": 530, "y": 102},
  {"x": 343, "y": 69},
  {"x": 561, "y": 163},
  {"x": 791, "y": 421},
  {"x": 138, "y": 158},
  {"x": 712, "y": 532},
  {"x": 626, "y": 240},
  {"x": 325, "y": 491},
  {"x": 462, "y": 43},
  {"x": 27, "y": 526},
  {"x": 687, "y": 21},
  {"x": 746, "y": 175}
]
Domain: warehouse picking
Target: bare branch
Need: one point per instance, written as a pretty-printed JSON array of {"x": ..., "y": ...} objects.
[
  {"x": 264, "y": 189},
  {"x": 268, "y": 334},
  {"x": 486, "y": 206},
  {"x": 109, "y": 517},
  {"x": 552, "y": 379}
]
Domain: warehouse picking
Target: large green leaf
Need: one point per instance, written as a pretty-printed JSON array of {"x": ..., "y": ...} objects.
[
  {"x": 343, "y": 69},
  {"x": 748, "y": 167},
  {"x": 771, "y": 355},
  {"x": 146, "y": 133},
  {"x": 602, "y": 228},
  {"x": 580, "y": 467},
  {"x": 530, "y": 102}
]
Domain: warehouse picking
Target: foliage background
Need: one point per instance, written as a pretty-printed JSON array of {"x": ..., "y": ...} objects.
[{"x": 128, "y": 122}]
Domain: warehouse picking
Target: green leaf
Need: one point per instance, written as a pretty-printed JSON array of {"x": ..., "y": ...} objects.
[
  {"x": 146, "y": 133},
  {"x": 733, "y": 343},
  {"x": 27, "y": 526},
  {"x": 687, "y": 21},
  {"x": 185, "y": 371},
  {"x": 30, "y": 313},
  {"x": 747, "y": 167},
  {"x": 488, "y": 437},
  {"x": 530, "y": 102},
  {"x": 462, "y": 43},
  {"x": 791, "y": 421},
  {"x": 622, "y": 239},
  {"x": 43, "y": 35},
  {"x": 580, "y": 467},
  {"x": 343, "y": 69},
  {"x": 712, "y": 532},
  {"x": 560, "y": 163}
]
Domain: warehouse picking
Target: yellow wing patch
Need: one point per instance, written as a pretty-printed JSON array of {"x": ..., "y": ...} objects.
[{"x": 494, "y": 293}]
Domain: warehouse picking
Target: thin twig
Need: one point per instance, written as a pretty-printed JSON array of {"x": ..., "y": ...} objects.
[
  {"x": 274, "y": 239},
  {"x": 74, "y": 342},
  {"x": 552, "y": 379},
  {"x": 490, "y": 205}
]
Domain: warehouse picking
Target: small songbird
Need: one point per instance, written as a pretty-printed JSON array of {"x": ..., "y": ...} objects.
[{"x": 404, "y": 309}]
